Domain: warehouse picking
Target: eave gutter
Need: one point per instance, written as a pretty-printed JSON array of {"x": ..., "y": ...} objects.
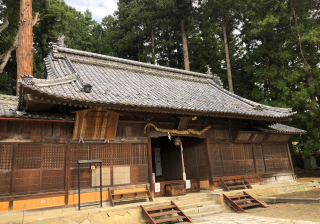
[{"x": 31, "y": 119}]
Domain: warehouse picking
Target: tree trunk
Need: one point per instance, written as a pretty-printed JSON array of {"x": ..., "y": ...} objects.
[
  {"x": 152, "y": 48},
  {"x": 185, "y": 47},
  {"x": 25, "y": 37},
  {"x": 226, "y": 47}
]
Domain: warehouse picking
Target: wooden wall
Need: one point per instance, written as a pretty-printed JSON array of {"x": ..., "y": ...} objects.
[{"x": 33, "y": 131}]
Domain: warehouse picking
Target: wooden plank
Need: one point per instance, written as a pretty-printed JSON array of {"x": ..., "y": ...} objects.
[
  {"x": 164, "y": 213},
  {"x": 160, "y": 208},
  {"x": 211, "y": 187}
]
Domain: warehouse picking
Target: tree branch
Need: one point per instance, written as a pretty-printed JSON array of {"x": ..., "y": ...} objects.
[
  {"x": 4, "y": 58},
  {"x": 4, "y": 26}
]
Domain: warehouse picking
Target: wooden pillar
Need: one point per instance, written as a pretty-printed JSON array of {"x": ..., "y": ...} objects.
[
  {"x": 67, "y": 173},
  {"x": 211, "y": 185},
  {"x": 289, "y": 157},
  {"x": 150, "y": 163},
  {"x": 25, "y": 49},
  {"x": 13, "y": 166}
]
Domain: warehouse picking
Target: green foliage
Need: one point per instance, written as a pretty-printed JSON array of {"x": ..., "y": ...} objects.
[{"x": 273, "y": 44}]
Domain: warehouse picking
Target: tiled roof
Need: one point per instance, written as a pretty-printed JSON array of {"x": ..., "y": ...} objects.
[
  {"x": 8, "y": 108},
  {"x": 280, "y": 128},
  {"x": 118, "y": 82}
]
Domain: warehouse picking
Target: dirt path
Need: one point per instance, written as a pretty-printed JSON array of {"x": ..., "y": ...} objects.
[
  {"x": 315, "y": 193},
  {"x": 307, "y": 212}
]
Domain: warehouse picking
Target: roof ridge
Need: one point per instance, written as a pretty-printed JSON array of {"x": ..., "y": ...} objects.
[{"x": 56, "y": 49}]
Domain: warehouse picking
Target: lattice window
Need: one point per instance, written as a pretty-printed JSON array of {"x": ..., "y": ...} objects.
[
  {"x": 28, "y": 156},
  {"x": 53, "y": 156},
  {"x": 6, "y": 156},
  {"x": 121, "y": 154},
  {"x": 139, "y": 154},
  {"x": 102, "y": 151},
  {"x": 238, "y": 152},
  {"x": 226, "y": 150},
  {"x": 80, "y": 152}
]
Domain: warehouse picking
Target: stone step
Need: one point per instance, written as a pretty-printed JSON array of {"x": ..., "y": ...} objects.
[
  {"x": 196, "y": 205},
  {"x": 203, "y": 214},
  {"x": 192, "y": 201},
  {"x": 204, "y": 209},
  {"x": 189, "y": 196}
]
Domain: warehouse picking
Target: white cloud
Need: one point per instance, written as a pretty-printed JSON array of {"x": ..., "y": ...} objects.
[{"x": 99, "y": 8}]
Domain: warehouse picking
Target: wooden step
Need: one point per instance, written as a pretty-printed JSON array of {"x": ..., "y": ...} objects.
[
  {"x": 249, "y": 205},
  {"x": 160, "y": 207},
  {"x": 238, "y": 196},
  {"x": 163, "y": 213},
  {"x": 243, "y": 200},
  {"x": 131, "y": 192},
  {"x": 130, "y": 199},
  {"x": 169, "y": 219}
]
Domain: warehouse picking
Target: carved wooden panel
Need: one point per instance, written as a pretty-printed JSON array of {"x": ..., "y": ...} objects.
[{"x": 95, "y": 124}]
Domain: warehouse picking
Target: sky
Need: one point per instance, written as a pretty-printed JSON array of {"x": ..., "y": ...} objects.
[{"x": 99, "y": 8}]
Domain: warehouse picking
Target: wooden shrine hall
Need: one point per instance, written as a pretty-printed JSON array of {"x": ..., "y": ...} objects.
[{"x": 150, "y": 125}]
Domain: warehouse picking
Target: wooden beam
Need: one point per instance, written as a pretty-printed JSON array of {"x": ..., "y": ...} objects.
[
  {"x": 183, "y": 124},
  {"x": 211, "y": 184},
  {"x": 156, "y": 134},
  {"x": 67, "y": 173},
  {"x": 150, "y": 163}
]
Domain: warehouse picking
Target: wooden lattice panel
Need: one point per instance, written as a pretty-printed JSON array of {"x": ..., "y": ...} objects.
[
  {"x": 103, "y": 152},
  {"x": 28, "y": 156},
  {"x": 226, "y": 151},
  {"x": 80, "y": 152},
  {"x": 121, "y": 154},
  {"x": 139, "y": 154},
  {"x": 258, "y": 155},
  {"x": 95, "y": 124},
  {"x": 6, "y": 151},
  {"x": 215, "y": 153},
  {"x": 53, "y": 156}
]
